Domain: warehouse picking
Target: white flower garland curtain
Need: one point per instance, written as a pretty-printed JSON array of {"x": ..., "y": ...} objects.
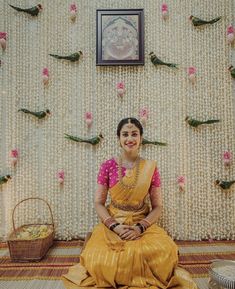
[{"x": 203, "y": 210}]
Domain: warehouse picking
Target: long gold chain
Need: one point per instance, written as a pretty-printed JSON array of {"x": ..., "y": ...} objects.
[{"x": 133, "y": 184}]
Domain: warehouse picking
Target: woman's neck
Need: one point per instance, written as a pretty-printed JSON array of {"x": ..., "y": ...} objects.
[{"x": 130, "y": 157}]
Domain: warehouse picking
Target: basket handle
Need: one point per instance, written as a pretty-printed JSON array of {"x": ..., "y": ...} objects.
[{"x": 34, "y": 198}]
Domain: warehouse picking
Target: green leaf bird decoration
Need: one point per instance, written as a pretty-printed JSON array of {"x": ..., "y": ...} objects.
[
  {"x": 4, "y": 179},
  {"x": 199, "y": 22},
  {"x": 156, "y": 61},
  {"x": 38, "y": 114},
  {"x": 33, "y": 11},
  {"x": 195, "y": 123},
  {"x": 145, "y": 141},
  {"x": 94, "y": 140},
  {"x": 72, "y": 57}
]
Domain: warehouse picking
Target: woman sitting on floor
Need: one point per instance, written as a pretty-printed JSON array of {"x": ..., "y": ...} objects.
[{"x": 128, "y": 249}]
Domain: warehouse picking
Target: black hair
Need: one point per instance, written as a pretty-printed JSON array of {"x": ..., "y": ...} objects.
[{"x": 129, "y": 120}]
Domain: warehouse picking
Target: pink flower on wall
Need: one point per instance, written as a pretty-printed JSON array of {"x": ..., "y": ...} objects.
[
  {"x": 227, "y": 158},
  {"x": 192, "y": 73},
  {"x": 60, "y": 176},
  {"x": 164, "y": 9},
  {"x": 45, "y": 75},
  {"x": 230, "y": 32},
  {"x": 181, "y": 180},
  {"x": 120, "y": 88},
  {"x": 14, "y": 154},
  {"x": 143, "y": 113},
  {"x": 73, "y": 11},
  {"x": 88, "y": 118},
  {"x": 3, "y": 38}
]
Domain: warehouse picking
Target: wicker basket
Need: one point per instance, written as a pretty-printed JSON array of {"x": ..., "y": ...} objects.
[{"x": 24, "y": 250}]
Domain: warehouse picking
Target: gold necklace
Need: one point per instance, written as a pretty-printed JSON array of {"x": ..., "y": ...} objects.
[
  {"x": 129, "y": 168},
  {"x": 129, "y": 173},
  {"x": 133, "y": 184}
]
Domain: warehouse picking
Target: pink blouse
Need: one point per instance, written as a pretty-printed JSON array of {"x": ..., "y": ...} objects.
[{"x": 108, "y": 174}]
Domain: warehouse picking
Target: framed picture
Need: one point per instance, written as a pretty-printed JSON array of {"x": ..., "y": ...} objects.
[{"x": 120, "y": 37}]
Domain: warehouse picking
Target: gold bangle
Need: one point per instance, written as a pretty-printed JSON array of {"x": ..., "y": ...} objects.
[
  {"x": 104, "y": 220},
  {"x": 110, "y": 221},
  {"x": 147, "y": 222}
]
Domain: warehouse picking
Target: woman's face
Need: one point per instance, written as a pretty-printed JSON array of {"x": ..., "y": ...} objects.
[{"x": 130, "y": 138}]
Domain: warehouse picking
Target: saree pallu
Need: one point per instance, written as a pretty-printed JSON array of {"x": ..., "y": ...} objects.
[{"x": 110, "y": 262}]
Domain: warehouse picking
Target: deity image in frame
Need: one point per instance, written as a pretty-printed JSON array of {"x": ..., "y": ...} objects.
[{"x": 120, "y": 37}]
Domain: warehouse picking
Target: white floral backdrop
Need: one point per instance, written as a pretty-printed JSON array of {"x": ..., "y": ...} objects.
[{"x": 203, "y": 210}]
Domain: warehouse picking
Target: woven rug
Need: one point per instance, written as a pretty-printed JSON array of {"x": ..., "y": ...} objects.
[{"x": 195, "y": 257}]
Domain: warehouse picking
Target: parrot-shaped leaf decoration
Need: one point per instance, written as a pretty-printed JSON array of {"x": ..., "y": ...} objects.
[
  {"x": 225, "y": 185},
  {"x": 195, "y": 123},
  {"x": 145, "y": 141},
  {"x": 232, "y": 71},
  {"x": 33, "y": 11},
  {"x": 38, "y": 114},
  {"x": 156, "y": 61},
  {"x": 198, "y": 22},
  {"x": 94, "y": 140},
  {"x": 4, "y": 179},
  {"x": 72, "y": 57}
]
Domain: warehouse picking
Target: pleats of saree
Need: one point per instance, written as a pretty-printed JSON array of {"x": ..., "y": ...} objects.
[{"x": 109, "y": 262}]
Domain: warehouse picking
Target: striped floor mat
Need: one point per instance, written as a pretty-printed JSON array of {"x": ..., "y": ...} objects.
[{"x": 195, "y": 257}]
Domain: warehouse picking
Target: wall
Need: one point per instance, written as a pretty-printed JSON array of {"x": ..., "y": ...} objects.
[{"x": 203, "y": 209}]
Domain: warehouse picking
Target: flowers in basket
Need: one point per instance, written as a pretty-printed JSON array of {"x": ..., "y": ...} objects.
[{"x": 33, "y": 232}]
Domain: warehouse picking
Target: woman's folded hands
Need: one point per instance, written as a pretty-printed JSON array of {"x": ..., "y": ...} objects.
[{"x": 126, "y": 232}]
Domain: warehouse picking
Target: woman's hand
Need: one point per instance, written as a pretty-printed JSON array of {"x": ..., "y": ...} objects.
[
  {"x": 133, "y": 233},
  {"x": 121, "y": 229}
]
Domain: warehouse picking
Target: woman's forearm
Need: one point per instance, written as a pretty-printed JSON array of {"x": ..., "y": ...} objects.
[
  {"x": 101, "y": 211},
  {"x": 154, "y": 215},
  {"x": 156, "y": 203}
]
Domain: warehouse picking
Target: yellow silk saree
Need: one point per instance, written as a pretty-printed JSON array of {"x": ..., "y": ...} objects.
[{"x": 149, "y": 262}]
